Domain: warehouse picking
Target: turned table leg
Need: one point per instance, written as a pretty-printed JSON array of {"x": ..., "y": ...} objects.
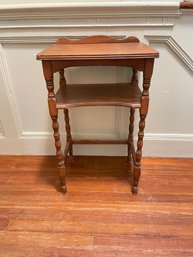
[
  {"x": 62, "y": 78},
  {"x": 130, "y": 137},
  {"x": 59, "y": 155},
  {"x": 134, "y": 79},
  {"x": 68, "y": 149},
  {"x": 68, "y": 134},
  {"x": 143, "y": 113},
  {"x": 138, "y": 155},
  {"x": 47, "y": 68}
]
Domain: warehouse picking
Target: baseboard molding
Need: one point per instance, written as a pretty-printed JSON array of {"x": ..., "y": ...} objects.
[
  {"x": 168, "y": 145},
  {"x": 155, "y": 145}
]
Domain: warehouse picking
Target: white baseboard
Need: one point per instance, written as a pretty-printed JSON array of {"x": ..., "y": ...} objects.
[{"x": 155, "y": 145}]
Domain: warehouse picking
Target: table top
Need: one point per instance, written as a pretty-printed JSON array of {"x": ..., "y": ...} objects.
[{"x": 89, "y": 51}]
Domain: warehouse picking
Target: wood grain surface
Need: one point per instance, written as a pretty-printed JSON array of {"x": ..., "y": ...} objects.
[
  {"x": 99, "y": 216},
  {"x": 124, "y": 94},
  {"x": 97, "y": 47}
]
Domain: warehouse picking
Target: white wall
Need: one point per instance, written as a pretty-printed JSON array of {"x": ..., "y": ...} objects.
[{"x": 25, "y": 126}]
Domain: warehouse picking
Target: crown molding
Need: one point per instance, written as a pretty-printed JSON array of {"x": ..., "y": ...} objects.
[
  {"x": 89, "y": 14},
  {"x": 35, "y": 10}
]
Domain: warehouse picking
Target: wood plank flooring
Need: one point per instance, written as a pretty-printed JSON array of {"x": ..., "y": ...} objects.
[{"x": 98, "y": 216}]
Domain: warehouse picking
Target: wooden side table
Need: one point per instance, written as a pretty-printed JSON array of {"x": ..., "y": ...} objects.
[{"x": 98, "y": 51}]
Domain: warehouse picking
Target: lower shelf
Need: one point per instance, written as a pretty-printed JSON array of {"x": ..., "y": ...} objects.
[{"x": 119, "y": 94}]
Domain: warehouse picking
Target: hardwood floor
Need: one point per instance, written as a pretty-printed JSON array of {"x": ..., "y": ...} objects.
[{"x": 98, "y": 216}]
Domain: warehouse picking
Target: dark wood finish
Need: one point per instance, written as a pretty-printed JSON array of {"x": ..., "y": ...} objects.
[
  {"x": 186, "y": 5},
  {"x": 99, "y": 50},
  {"x": 54, "y": 115},
  {"x": 62, "y": 78},
  {"x": 134, "y": 79},
  {"x": 130, "y": 137},
  {"x": 99, "y": 216},
  {"x": 98, "y": 94},
  {"x": 68, "y": 132},
  {"x": 99, "y": 141},
  {"x": 138, "y": 63},
  {"x": 143, "y": 113}
]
